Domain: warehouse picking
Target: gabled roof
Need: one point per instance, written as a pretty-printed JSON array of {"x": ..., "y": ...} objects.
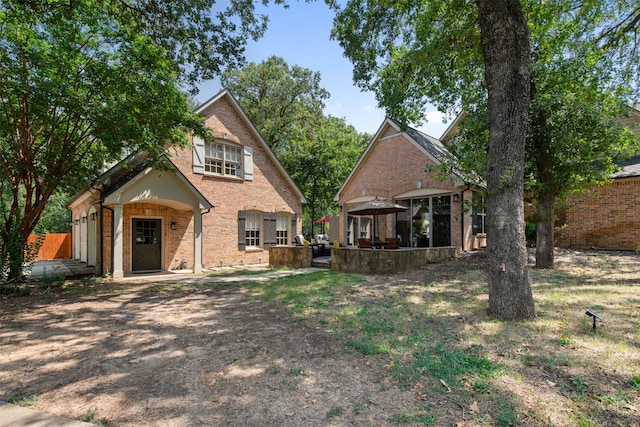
[
  {"x": 430, "y": 146},
  {"x": 226, "y": 94},
  {"x": 630, "y": 168}
]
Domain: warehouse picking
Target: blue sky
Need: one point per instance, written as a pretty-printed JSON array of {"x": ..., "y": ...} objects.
[{"x": 301, "y": 35}]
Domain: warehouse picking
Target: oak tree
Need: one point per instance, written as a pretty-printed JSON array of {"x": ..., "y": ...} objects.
[{"x": 413, "y": 52}]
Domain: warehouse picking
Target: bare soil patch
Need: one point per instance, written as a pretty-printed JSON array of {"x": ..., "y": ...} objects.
[{"x": 149, "y": 355}]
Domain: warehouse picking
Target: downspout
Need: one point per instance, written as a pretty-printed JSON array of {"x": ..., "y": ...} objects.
[
  {"x": 462, "y": 214},
  {"x": 202, "y": 236}
]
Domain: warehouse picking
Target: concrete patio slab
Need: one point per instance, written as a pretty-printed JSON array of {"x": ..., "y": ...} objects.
[{"x": 13, "y": 415}]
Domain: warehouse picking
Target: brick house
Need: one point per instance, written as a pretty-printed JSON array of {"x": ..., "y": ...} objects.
[
  {"x": 606, "y": 216},
  {"x": 392, "y": 167},
  {"x": 224, "y": 204}
]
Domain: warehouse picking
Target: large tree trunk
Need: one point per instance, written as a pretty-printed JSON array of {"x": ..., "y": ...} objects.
[
  {"x": 505, "y": 45},
  {"x": 544, "y": 229}
]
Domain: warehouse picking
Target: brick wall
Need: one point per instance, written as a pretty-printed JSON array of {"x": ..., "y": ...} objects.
[
  {"x": 605, "y": 217},
  {"x": 269, "y": 191},
  {"x": 394, "y": 166}
]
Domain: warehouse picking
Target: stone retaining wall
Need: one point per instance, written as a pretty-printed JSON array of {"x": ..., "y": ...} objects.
[
  {"x": 290, "y": 256},
  {"x": 385, "y": 261}
]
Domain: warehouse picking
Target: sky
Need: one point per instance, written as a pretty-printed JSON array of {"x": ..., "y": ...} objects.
[{"x": 301, "y": 36}]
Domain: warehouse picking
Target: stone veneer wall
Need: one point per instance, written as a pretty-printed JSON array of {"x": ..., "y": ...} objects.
[
  {"x": 384, "y": 261},
  {"x": 290, "y": 256}
]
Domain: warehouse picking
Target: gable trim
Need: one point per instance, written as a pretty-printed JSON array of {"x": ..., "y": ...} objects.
[
  {"x": 254, "y": 131},
  {"x": 381, "y": 135}
]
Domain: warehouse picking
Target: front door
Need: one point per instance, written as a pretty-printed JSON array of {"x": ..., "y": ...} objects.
[{"x": 146, "y": 251}]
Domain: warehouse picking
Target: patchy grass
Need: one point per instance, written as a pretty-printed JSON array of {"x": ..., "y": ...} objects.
[
  {"x": 227, "y": 272},
  {"x": 22, "y": 398},
  {"x": 430, "y": 332}
]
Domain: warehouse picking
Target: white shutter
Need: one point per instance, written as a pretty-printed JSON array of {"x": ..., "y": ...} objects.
[
  {"x": 198, "y": 155},
  {"x": 248, "y": 163}
]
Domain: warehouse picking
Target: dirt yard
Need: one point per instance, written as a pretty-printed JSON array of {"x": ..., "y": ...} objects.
[
  {"x": 151, "y": 355},
  {"x": 178, "y": 353}
]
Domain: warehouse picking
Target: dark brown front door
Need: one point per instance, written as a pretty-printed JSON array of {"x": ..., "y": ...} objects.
[{"x": 146, "y": 253}]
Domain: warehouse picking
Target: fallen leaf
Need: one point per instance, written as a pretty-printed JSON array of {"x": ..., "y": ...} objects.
[
  {"x": 444, "y": 383},
  {"x": 474, "y": 407}
]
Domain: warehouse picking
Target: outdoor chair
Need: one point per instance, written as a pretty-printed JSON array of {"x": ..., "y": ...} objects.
[
  {"x": 364, "y": 243},
  {"x": 299, "y": 240},
  {"x": 393, "y": 243}
]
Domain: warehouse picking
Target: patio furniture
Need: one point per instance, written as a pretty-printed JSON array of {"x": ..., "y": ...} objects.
[
  {"x": 319, "y": 249},
  {"x": 364, "y": 243},
  {"x": 377, "y": 207},
  {"x": 393, "y": 243},
  {"x": 379, "y": 244}
]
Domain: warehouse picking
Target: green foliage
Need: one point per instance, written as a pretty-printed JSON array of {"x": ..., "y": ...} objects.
[
  {"x": 506, "y": 415},
  {"x": 85, "y": 82},
  {"x": 55, "y": 217},
  {"x": 452, "y": 366},
  {"x": 21, "y": 398},
  {"x": 285, "y": 104},
  {"x": 419, "y": 419},
  {"x": 90, "y": 417},
  {"x": 277, "y": 98},
  {"x": 334, "y": 412}
]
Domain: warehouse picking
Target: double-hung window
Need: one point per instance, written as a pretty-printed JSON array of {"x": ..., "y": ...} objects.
[
  {"x": 252, "y": 229},
  {"x": 223, "y": 159},
  {"x": 282, "y": 229}
]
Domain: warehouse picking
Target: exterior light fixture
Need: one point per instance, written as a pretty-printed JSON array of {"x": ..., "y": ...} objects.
[
  {"x": 84, "y": 219},
  {"x": 455, "y": 197},
  {"x": 174, "y": 226},
  {"x": 595, "y": 316},
  {"x": 93, "y": 216},
  {"x": 77, "y": 221}
]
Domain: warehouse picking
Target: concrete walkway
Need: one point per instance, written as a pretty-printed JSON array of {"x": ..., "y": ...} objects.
[
  {"x": 72, "y": 268},
  {"x": 13, "y": 415},
  {"x": 60, "y": 267}
]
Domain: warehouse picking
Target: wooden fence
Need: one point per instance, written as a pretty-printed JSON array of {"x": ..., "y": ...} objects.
[{"x": 54, "y": 246}]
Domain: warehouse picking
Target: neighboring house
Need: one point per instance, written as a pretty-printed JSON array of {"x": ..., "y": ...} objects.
[
  {"x": 393, "y": 168},
  {"x": 606, "y": 216},
  {"x": 225, "y": 204}
]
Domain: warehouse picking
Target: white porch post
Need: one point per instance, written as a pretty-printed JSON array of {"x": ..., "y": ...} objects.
[
  {"x": 197, "y": 240},
  {"x": 118, "y": 239}
]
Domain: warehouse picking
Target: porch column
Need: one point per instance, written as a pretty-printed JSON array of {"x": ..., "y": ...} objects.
[
  {"x": 118, "y": 239},
  {"x": 345, "y": 225},
  {"x": 197, "y": 240}
]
